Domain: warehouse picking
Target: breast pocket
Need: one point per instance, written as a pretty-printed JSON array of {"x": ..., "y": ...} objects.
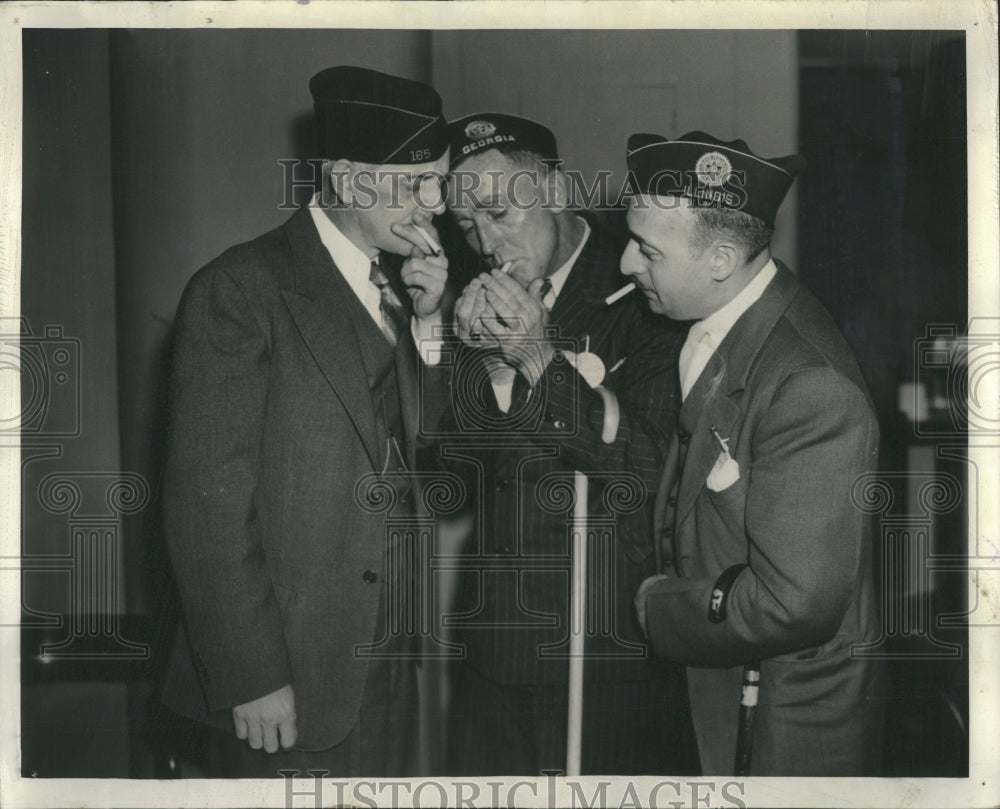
[{"x": 729, "y": 505}]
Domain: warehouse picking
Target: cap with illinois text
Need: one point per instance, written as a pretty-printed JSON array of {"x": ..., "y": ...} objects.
[
  {"x": 712, "y": 173},
  {"x": 373, "y": 117}
]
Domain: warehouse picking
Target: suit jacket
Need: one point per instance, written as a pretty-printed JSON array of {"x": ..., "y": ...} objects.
[
  {"x": 785, "y": 391},
  {"x": 278, "y": 555},
  {"x": 515, "y": 625}
]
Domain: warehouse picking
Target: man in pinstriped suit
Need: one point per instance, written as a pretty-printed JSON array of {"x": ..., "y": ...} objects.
[{"x": 542, "y": 364}]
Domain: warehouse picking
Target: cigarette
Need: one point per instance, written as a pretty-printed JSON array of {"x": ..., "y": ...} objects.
[
  {"x": 505, "y": 269},
  {"x": 433, "y": 245},
  {"x": 621, "y": 293}
]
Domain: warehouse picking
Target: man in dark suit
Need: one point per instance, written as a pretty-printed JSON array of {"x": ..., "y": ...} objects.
[
  {"x": 766, "y": 558},
  {"x": 293, "y": 423},
  {"x": 549, "y": 378}
]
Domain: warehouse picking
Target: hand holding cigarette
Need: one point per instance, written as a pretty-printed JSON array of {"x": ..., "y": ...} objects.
[
  {"x": 435, "y": 248},
  {"x": 425, "y": 272}
]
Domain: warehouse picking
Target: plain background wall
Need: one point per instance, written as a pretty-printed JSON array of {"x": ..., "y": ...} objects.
[
  {"x": 595, "y": 88},
  {"x": 68, "y": 279}
]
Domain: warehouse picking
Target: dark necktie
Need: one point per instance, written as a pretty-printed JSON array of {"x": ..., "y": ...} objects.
[
  {"x": 394, "y": 318},
  {"x": 545, "y": 291}
]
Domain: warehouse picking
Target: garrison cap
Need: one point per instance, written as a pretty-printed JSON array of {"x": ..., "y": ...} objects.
[
  {"x": 712, "y": 173},
  {"x": 495, "y": 130},
  {"x": 376, "y": 118}
]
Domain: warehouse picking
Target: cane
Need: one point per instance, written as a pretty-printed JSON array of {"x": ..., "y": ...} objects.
[
  {"x": 577, "y": 618},
  {"x": 744, "y": 731}
]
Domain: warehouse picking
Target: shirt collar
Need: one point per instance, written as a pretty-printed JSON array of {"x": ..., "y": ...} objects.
[
  {"x": 558, "y": 278},
  {"x": 352, "y": 263},
  {"x": 718, "y": 324}
]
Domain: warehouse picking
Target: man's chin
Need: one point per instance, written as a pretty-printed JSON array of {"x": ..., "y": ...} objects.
[{"x": 524, "y": 275}]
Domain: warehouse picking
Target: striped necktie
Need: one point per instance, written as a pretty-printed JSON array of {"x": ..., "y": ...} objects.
[{"x": 394, "y": 319}]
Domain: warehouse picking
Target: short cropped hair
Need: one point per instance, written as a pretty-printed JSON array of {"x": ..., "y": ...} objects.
[{"x": 750, "y": 234}]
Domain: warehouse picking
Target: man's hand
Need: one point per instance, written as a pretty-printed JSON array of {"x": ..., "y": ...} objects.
[
  {"x": 425, "y": 272},
  {"x": 470, "y": 309},
  {"x": 262, "y": 720},
  {"x": 517, "y": 321}
]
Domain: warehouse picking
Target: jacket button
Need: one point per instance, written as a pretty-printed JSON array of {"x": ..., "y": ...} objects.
[
  {"x": 370, "y": 576},
  {"x": 683, "y": 436},
  {"x": 672, "y": 501},
  {"x": 668, "y": 533}
]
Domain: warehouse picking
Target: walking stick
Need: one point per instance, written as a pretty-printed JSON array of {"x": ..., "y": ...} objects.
[
  {"x": 748, "y": 705},
  {"x": 577, "y": 625}
]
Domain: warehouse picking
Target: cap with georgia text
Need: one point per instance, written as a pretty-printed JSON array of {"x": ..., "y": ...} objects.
[
  {"x": 483, "y": 131},
  {"x": 712, "y": 173},
  {"x": 376, "y": 118}
]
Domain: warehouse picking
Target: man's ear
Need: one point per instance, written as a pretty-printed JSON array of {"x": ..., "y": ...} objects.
[
  {"x": 338, "y": 178},
  {"x": 725, "y": 259}
]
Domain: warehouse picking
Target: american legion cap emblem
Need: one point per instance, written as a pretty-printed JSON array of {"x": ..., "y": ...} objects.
[
  {"x": 713, "y": 168},
  {"x": 479, "y": 129}
]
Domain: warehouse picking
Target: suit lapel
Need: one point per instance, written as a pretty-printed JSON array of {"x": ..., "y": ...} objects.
[
  {"x": 715, "y": 399},
  {"x": 705, "y": 408},
  {"x": 317, "y": 300}
]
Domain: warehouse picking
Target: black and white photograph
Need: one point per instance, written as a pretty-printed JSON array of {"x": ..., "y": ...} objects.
[{"x": 586, "y": 404}]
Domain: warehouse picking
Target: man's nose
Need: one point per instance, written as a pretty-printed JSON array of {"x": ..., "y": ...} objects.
[
  {"x": 629, "y": 263},
  {"x": 490, "y": 241},
  {"x": 435, "y": 203}
]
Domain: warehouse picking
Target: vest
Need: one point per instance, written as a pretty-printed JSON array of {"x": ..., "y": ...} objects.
[{"x": 676, "y": 456}]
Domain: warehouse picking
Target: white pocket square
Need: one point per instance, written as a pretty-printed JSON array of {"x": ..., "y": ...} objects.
[{"x": 724, "y": 473}]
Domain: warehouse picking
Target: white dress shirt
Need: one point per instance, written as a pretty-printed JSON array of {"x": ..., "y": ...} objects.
[
  {"x": 355, "y": 266},
  {"x": 707, "y": 335}
]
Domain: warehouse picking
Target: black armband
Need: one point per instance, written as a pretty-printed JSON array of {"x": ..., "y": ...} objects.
[{"x": 720, "y": 593}]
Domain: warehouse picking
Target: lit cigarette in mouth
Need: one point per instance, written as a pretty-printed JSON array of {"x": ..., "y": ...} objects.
[
  {"x": 621, "y": 293},
  {"x": 505, "y": 269},
  {"x": 433, "y": 245}
]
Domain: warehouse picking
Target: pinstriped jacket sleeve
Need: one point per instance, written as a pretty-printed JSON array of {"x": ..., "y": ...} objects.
[{"x": 646, "y": 388}]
